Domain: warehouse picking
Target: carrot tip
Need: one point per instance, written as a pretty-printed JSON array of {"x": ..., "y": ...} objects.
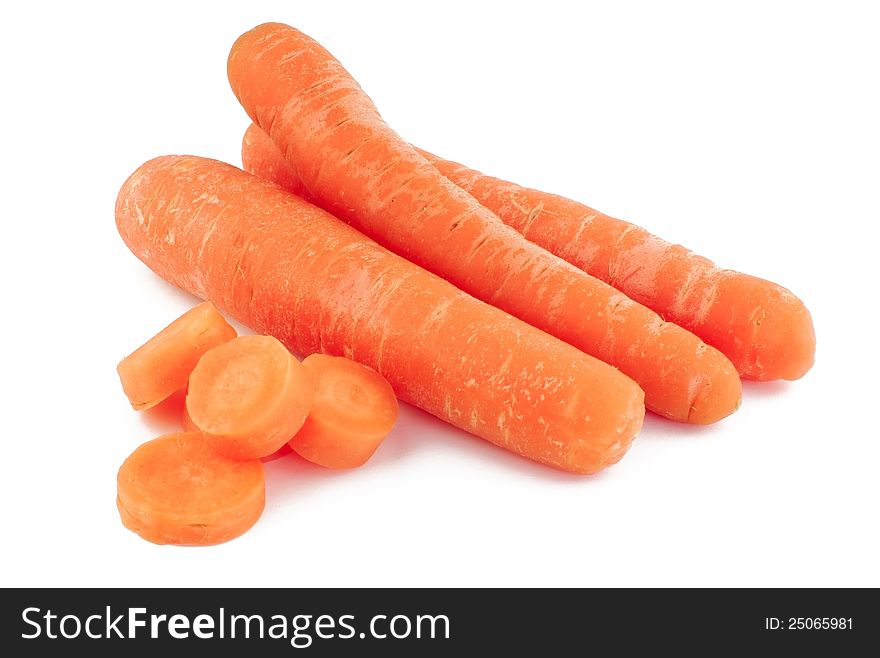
[
  {"x": 788, "y": 340},
  {"x": 716, "y": 399}
]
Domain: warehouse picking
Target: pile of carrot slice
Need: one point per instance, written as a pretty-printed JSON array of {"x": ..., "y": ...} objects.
[
  {"x": 528, "y": 319},
  {"x": 247, "y": 397}
]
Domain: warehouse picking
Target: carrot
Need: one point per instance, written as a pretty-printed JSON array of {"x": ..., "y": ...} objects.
[
  {"x": 760, "y": 326},
  {"x": 354, "y": 410},
  {"x": 259, "y": 154},
  {"x": 764, "y": 330},
  {"x": 357, "y": 168},
  {"x": 286, "y": 268},
  {"x": 189, "y": 426},
  {"x": 162, "y": 365},
  {"x": 187, "y": 423},
  {"x": 176, "y": 490},
  {"x": 249, "y": 396}
]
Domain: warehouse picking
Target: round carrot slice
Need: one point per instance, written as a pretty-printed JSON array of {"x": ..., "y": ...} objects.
[
  {"x": 249, "y": 396},
  {"x": 354, "y": 410},
  {"x": 176, "y": 490},
  {"x": 189, "y": 426},
  {"x": 162, "y": 365}
]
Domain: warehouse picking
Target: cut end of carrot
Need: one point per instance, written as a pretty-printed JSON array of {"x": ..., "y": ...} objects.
[
  {"x": 176, "y": 490},
  {"x": 162, "y": 365},
  {"x": 249, "y": 396},
  {"x": 353, "y": 411}
]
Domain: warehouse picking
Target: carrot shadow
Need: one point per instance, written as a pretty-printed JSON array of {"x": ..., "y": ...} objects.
[
  {"x": 167, "y": 416},
  {"x": 189, "y": 300},
  {"x": 761, "y": 390},
  {"x": 658, "y": 427},
  {"x": 416, "y": 434},
  {"x": 290, "y": 478},
  {"x": 416, "y": 428}
]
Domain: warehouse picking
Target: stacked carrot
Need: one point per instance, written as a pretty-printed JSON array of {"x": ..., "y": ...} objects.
[
  {"x": 537, "y": 323},
  {"x": 357, "y": 168},
  {"x": 764, "y": 330},
  {"x": 247, "y": 396}
]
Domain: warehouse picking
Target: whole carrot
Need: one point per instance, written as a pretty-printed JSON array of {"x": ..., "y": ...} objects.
[
  {"x": 356, "y": 167},
  {"x": 760, "y": 326},
  {"x": 764, "y": 330},
  {"x": 287, "y": 268}
]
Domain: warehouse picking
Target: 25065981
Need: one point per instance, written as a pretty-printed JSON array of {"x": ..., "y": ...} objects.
[{"x": 808, "y": 623}]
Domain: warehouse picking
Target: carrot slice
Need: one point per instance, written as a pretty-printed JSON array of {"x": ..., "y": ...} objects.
[
  {"x": 189, "y": 426},
  {"x": 162, "y": 365},
  {"x": 176, "y": 490},
  {"x": 354, "y": 410},
  {"x": 249, "y": 396}
]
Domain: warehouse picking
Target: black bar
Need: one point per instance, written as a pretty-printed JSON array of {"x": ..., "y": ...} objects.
[{"x": 525, "y": 622}]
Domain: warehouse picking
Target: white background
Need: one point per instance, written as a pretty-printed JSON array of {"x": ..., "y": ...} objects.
[{"x": 748, "y": 133}]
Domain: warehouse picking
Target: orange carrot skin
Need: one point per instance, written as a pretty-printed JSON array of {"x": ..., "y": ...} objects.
[
  {"x": 162, "y": 365},
  {"x": 682, "y": 378},
  {"x": 760, "y": 326},
  {"x": 270, "y": 162},
  {"x": 357, "y": 168},
  {"x": 289, "y": 269},
  {"x": 763, "y": 328},
  {"x": 176, "y": 490}
]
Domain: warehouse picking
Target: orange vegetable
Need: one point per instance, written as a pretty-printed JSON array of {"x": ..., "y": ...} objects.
[
  {"x": 760, "y": 326},
  {"x": 189, "y": 426},
  {"x": 177, "y": 490},
  {"x": 162, "y": 365},
  {"x": 249, "y": 396},
  {"x": 287, "y": 268},
  {"x": 357, "y": 168},
  {"x": 186, "y": 422},
  {"x": 354, "y": 410}
]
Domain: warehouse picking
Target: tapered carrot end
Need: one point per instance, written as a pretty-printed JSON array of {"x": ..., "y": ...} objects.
[
  {"x": 589, "y": 456},
  {"x": 251, "y": 45},
  {"x": 784, "y": 343},
  {"x": 763, "y": 328}
]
